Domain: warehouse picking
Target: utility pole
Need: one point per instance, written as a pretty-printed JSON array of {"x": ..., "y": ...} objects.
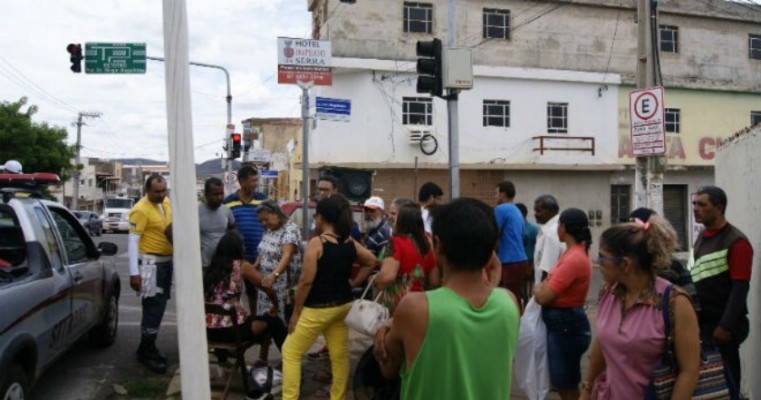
[
  {"x": 229, "y": 100},
  {"x": 79, "y": 123},
  {"x": 305, "y": 86},
  {"x": 648, "y": 173},
  {"x": 452, "y": 111}
]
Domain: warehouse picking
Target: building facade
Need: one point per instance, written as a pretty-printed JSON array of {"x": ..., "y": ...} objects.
[{"x": 549, "y": 106}]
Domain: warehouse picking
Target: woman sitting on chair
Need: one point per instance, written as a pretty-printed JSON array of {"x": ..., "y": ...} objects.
[{"x": 223, "y": 284}]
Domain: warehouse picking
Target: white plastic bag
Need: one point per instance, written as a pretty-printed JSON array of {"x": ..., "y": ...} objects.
[{"x": 531, "y": 367}]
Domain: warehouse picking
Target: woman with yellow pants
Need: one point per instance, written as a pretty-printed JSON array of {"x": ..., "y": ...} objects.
[{"x": 323, "y": 296}]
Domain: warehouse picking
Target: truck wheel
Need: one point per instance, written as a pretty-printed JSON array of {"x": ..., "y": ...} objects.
[
  {"x": 104, "y": 334},
  {"x": 15, "y": 385}
]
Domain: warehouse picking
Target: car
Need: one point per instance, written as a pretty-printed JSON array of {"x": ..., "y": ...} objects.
[
  {"x": 91, "y": 221},
  {"x": 56, "y": 285}
]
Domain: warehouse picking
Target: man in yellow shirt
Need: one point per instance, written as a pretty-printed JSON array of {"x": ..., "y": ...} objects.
[{"x": 150, "y": 266}]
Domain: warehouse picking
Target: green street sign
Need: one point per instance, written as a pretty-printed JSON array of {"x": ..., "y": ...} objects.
[{"x": 115, "y": 58}]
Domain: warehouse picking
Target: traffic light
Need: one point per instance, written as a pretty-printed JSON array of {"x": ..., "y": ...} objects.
[
  {"x": 75, "y": 56},
  {"x": 235, "y": 139},
  {"x": 429, "y": 67}
]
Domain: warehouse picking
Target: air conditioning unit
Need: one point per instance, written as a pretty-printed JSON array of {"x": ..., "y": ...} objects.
[{"x": 416, "y": 133}]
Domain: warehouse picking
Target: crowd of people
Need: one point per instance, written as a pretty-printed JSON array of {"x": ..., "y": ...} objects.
[{"x": 455, "y": 277}]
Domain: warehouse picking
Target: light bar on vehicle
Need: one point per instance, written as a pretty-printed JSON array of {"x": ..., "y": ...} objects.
[{"x": 25, "y": 180}]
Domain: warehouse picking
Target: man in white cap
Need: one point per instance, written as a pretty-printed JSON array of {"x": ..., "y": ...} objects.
[
  {"x": 13, "y": 167},
  {"x": 377, "y": 227}
]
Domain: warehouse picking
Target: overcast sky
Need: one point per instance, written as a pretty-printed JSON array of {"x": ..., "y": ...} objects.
[{"x": 240, "y": 35}]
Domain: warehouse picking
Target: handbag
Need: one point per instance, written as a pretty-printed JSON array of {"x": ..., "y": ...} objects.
[
  {"x": 365, "y": 316},
  {"x": 712, "y": 377}
]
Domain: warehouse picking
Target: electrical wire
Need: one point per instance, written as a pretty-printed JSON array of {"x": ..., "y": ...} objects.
[
  {"x": 612, "y": 45},
  {"x": 22, "y": 81}
]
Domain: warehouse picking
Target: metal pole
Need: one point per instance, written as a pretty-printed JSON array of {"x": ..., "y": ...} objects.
[
  {"x": 648, "y": 172},
  {"x": 229, "y": 100},
  {"x": 191, "y": 332},
  {"x": 454, "y": 138},
  {"x": 305, "y": 157},
  {"x": 79, "y": 123}
]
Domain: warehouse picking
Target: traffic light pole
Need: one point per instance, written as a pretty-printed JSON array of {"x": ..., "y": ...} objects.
[
  {"x": 454, "y": 144},
  {"x": 229, "y": 100},
  {"x": 75, "y": 192}
]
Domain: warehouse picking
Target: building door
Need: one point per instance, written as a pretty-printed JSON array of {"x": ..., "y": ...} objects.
[
  {"x": 675, "y": 211},
  {"x": 620, "y": 203}
]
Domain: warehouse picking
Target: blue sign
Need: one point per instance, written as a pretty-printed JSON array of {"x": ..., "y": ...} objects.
[{"x": 333, "y": 109}]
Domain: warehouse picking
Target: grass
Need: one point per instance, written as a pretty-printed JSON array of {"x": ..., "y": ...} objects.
[{"x": 146, "y": 389}]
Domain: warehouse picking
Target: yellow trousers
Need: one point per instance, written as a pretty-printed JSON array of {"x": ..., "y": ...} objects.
[{"x": 313, "y": 322}]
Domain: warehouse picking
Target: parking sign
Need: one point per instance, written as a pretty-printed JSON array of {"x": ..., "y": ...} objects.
[{"x": 646, "y": 113}]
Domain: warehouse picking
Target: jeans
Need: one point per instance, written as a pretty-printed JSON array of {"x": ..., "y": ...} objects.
[
  {"x": 568, "y": 337},
  {"x": 312, "y": 322},
  {"x": 154, "y": 307}
]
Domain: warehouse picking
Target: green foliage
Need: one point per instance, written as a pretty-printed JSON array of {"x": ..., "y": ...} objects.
[{"x": 37, "y": 146}]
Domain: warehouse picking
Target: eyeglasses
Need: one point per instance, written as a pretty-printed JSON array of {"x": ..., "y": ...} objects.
[{"x": 608, "y": 258}]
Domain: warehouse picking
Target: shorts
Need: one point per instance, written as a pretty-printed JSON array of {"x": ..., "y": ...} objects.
[{"x": 568, "y": 337}]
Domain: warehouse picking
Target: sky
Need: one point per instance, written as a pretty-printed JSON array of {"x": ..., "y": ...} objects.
[{"x": 239, "y": 35}]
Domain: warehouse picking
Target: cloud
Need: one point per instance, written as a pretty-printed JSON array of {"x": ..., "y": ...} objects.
[{"x": 240, "y": 35}]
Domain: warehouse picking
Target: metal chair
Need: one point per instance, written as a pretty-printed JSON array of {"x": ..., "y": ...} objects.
[{"x": 237, "y": 347}]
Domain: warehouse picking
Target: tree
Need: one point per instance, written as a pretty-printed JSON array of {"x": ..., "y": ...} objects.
[{"x": 37, "y": 146}]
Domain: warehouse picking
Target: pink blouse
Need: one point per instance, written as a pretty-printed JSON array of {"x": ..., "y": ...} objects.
[
  {"x": 632, "y": 343},
  {"x": 229, "y": 294}
]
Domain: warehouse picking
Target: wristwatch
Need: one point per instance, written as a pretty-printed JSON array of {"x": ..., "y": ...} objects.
[{"x": 277, "y": 274}]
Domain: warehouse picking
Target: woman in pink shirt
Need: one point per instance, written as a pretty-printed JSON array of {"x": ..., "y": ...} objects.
[
  {"x": 630, "y": 329},
  {"x": 562, "y": 296}
]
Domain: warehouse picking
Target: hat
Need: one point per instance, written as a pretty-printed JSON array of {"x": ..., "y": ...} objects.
[
  {"x": 13, "y": 167},
  {"x": 374, "y": 202}
]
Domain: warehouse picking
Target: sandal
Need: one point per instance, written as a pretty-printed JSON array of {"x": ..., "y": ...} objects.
[
  {"x": 324, "y": 376},
  {"x": 323, "y": 392}
]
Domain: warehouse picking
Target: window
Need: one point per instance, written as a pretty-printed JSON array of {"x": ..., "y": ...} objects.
[
  {"x": 669, "y": 38},
  {"x": 620, "y": 200},
  {"x": 754, "y": 47},
  {"x": 497, "y": 113},
  {"x": 417, "y": 111},
  {"x": 89, "y": 182},
  {"x": 53, "y": 255},
  {"x": 557, "y": 117},
  {"x": 496, "y": 23},
  {"x": 76, "y": 249},
  {"x": 418, "y": 17},
  {"x": 672, "y": 120},
  {"x": 755, "y": 118}
]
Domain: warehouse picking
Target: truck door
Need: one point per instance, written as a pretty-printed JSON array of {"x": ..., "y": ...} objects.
[{"x": 81, "y": 261}]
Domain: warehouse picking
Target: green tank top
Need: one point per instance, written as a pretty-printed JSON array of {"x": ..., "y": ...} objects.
[{"x": 467, "y": 353}]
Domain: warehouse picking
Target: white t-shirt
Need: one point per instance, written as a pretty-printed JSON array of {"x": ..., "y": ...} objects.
[
  {"x": 548, "y": 248},
  {"x": 427, "y": 219}
]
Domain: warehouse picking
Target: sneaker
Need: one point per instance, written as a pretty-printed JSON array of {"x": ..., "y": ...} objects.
[{"x": 321, "y": 354}]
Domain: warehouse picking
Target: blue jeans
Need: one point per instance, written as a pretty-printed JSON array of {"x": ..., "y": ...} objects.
[
  {"x": 568, "y": 337},
  {"x": 154, "y": 307}
]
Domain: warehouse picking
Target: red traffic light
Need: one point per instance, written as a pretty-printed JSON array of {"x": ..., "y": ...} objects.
[
  {"x": 75, "y": 56},
  {"x": 236, "y": 138}
]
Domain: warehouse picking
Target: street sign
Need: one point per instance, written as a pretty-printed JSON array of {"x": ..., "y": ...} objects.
[
  {"x": 646, "y": 113},
  {"x": 304, "y": 60},
  {"x": 115, "y": 58},
  {"x": 259, "y": 155},
  {"x": 333, "y": 109}
]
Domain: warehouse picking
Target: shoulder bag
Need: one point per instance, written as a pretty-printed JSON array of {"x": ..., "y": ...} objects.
[
  {"x": 712, "y": 380},
  {"x": 366, "y": 316}
]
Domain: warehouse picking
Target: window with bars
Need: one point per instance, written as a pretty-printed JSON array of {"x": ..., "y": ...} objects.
[
  {"x": 669, "y": 41},
  {"x": 417, "y": 111},
  {"x": 620, "y": 203},
  {"x": 754, "y": 47},
  {"x": 496, "y": 23},
  {"x": 672, "y": 120},
  {"x": 755, "y": 118},
  {"x": 557, "y": 117},
  {"x": 497, "y": 113},
  {"x": 418, "y": 17}
]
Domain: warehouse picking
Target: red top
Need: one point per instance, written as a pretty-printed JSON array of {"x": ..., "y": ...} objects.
[
  {"x": 406, "y": 252},
  {"x": 740, "y": 257},
  {"x": 570, "y": 278}
]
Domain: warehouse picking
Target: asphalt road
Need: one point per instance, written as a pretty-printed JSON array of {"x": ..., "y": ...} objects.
[{"x": 86, "y": 372}]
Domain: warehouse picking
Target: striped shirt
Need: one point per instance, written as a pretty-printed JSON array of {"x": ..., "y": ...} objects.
[{"x": 247, "y": 221}]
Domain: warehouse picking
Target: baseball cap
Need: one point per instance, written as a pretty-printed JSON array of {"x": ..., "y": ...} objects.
[
  {"x": 374, "y": 202},
  {"x": 13, "y": 167}
]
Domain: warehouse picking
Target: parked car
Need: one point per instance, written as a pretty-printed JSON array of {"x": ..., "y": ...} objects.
[
  {"x": 91, "y": 221},
  {"x": 56, "y": 286}
]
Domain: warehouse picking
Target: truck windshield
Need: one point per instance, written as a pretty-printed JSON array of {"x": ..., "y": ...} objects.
[{"x": 118, "y": 203}]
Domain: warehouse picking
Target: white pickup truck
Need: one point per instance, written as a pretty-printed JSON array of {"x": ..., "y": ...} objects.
[
  {"x": 116, "y": 214},
  {"x": 56, "y": 286}
]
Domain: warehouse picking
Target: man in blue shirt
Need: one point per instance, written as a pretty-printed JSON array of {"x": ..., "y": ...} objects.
[{"x": 511, "y": 253}]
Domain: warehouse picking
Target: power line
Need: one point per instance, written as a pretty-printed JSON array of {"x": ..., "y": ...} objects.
[{"x": 19, "y": 79}]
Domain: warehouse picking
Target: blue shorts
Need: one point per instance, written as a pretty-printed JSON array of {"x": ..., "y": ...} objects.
[{"x": 568, "y": 337}]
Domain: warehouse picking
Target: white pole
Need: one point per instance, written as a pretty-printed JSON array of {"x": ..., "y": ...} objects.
[
  {"x": 191, "y": 328},
  {"x": 453, "y": 122},
  {"x": 305, "y": 86}
]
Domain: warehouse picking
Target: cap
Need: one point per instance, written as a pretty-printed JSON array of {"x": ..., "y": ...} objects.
[
  {"x": 13, "y": 167},
  {"x": 374, "y": 202}
]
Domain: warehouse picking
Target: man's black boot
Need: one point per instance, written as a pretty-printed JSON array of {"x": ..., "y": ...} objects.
[{"x": 150, "y": 357}]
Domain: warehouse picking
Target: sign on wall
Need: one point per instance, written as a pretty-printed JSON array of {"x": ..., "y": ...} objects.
[
  {"x": 647, "y": 122},
  {"x": 333, "y": 109},
  {"x": 304, "y": 60}
]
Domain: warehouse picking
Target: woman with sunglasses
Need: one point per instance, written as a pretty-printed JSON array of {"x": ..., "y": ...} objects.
[{"x": 631, "y": 334}]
